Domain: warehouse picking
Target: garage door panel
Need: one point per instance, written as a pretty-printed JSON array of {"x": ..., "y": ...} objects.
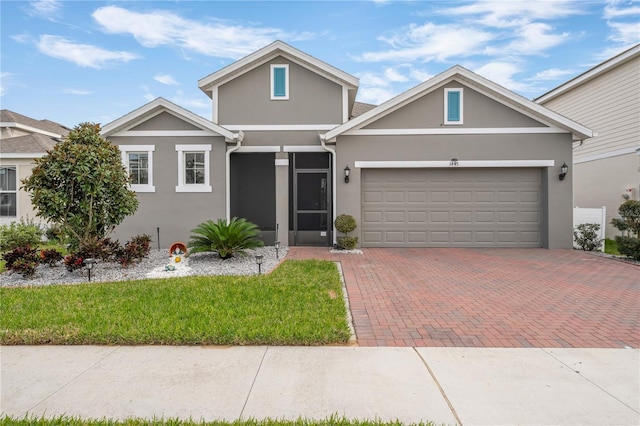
[{"x": 460, "y": 207}]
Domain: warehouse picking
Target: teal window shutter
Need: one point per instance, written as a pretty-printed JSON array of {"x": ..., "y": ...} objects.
[
  {"x": 279, "y": 82},
  {"x": 453, "y": 106}
]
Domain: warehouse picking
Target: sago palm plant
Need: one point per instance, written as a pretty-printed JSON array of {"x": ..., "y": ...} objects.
[{"x": 226, "y": 239}]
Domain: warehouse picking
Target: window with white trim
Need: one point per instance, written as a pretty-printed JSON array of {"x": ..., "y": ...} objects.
[
  {"x": 193, "y": 168},
  {"x": 138, "y": 160},
  {"x": 453, "y": 105},
  {"x": 279, "y": 82},
  {"x": 8, "y": 191}
]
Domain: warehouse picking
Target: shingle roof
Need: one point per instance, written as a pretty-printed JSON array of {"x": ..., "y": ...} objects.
[
  {"x": 7, "y": 116},
  {"x": 34, "y": 143},
  {"x": 360, "y": 108}
]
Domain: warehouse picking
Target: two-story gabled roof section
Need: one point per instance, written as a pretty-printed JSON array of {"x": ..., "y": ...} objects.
[
  {"x": 278, "y": 86},
  {"x": 546, "y": 121}
]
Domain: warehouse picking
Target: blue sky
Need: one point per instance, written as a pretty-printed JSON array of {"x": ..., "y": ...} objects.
[{"x": 75, "y": 61}]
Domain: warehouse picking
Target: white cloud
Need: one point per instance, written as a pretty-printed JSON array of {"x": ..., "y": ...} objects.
[
  {"x": 393, "y": 75},
  {"x": 502, "y": 73},
  {"x": 620, "y": 9},
  {"x": 217, "y": 38},
  {"x": 5, "y": 77},
  {"x": 531, "y": 39},
  {"x": 626, "y": 33},
  {"x": 552, "y": 74},
  {"x": 375, "y": 95},
  {"x": 84, "y": 55},
  {"x": 502, "y": 14},
  {"x": 147, "y": 94},
  {"x": 166, "y": 79},
  {"x": 192, "y": 103},
  {"x": 430, "y": 42},
  {"x": 46, "y": 9},
  {"x": 22, "y": 38},
  {"x": 420, "y": 75},
  {"x": 76, "y": 92}
]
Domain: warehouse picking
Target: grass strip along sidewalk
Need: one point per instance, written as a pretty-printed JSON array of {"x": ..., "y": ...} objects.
[
  {"x": 74, "y": 421},
  {"x": 299, "y": 303}
]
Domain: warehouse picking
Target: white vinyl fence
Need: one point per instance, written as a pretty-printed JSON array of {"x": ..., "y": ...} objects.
[{"x": 594, "y": 215}]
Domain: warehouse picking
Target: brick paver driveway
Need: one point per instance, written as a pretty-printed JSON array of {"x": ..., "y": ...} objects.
[{"x": 489, "y": 297}]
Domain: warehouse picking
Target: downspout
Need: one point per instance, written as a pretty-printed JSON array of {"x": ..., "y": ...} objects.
[
  {"x": 238, "y": 137},
  {"x": 334, "y": 185}
]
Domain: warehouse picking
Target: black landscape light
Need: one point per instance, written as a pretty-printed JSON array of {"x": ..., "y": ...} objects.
[
  {"x": 259, "y": 259},
  {"x": 276, "y": 245},
  {"x": 89, "y": 262}
]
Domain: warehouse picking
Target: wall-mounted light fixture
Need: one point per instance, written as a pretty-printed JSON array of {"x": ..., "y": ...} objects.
[
  {"x": 347, "y": 171},
  {"x": 563, "y": 171}
]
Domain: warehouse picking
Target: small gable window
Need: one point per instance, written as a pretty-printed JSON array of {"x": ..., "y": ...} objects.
[
  {"x": 138, "y": 160},
  {"x": 279, "y": 82},
  {"x": 453, "y": 106}
]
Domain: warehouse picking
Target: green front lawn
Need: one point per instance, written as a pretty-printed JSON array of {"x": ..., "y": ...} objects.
[
  {"x": 610, "y": 247},
  {"x": 299, "y": 303}
]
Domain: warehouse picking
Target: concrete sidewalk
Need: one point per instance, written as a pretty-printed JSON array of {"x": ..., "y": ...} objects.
[{"x": 445, "y": 385}]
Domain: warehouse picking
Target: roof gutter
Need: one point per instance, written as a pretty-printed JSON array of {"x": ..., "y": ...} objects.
[
  {"x": 334, "y": 185},
  {"x": 238, "y": 137}
]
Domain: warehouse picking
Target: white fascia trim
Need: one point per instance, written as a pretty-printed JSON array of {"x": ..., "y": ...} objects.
[
  {"x": 26, "y": 155},
  {"x": 447, "y": 163},
  {"x": 282, "y": 162},
  {"x": 456, "y": 131},
  {"x": 277, "y": 48},
  {"x": 182, "y": 187},
  {"x": 345, "y": 104},
  {"x": 29, "y": 129},
  {"x": 610, "y": 154},
  {"x": 166, "y": 133},
  {"x": 267, "y": 148},
  {"x": 303, "y": 148},
  {"x": 279, "y": 127},
  {"x": 216, "y": 104}
]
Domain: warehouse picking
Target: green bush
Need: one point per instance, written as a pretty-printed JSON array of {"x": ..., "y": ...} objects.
[
  {"x": 225, "y": 239},
  {"x": 586, "y": 236},
  {"x": 629, "y": 246},
  {"x": 20, "y": 234},
  {"x": 345, "y": 223},
  {"x": 347, "y": 243},
  {"x": 629, "y": 220},
  {"x": 22, "y": 260}
]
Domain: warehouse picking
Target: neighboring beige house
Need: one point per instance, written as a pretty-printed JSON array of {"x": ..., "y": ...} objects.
[
  {"x": 606, "y": 98},
  {"x": 457, "y": 161},
  {"x": 22, "y": 139}
]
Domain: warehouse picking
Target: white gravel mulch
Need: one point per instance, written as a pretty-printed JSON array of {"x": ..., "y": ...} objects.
[{"x": 151, "y": 267}]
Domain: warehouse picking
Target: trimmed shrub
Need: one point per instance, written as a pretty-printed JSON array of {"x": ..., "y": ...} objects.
[
  {"x": 586, "y": 236},
  {"x": 629, "y": 220},
  {"x": 225, "y": 239},
  {"x": 346, "y": 223},
  {"x": 73, "y": 262},
  {"x": 629, "y": 246},
  {"x": 20, "y": 234}
]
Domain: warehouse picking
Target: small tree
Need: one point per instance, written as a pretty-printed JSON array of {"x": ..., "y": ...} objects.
[
  {"x": 346, "y": 223},
  {"x": 629, "y": 222},
  {"x": 81, "y": 185}
]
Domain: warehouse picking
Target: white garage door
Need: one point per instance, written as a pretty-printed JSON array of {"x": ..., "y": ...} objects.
[{"x": 452, "y": 207}]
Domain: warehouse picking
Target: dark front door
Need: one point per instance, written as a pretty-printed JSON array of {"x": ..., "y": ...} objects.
[{"x": 312, "y": 207}]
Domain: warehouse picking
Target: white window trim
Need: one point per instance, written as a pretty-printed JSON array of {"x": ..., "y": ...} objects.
[
  {"x": 124, "y": 149},
  {"x": 446, "y": 105},
  {"x": 182, "y": 186},
  {"x": 286, "y": 83},
  {"x": 8, "y": 191}
]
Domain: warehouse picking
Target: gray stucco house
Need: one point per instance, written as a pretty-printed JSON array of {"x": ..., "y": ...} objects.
[{"x": 457, "y": 161}]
